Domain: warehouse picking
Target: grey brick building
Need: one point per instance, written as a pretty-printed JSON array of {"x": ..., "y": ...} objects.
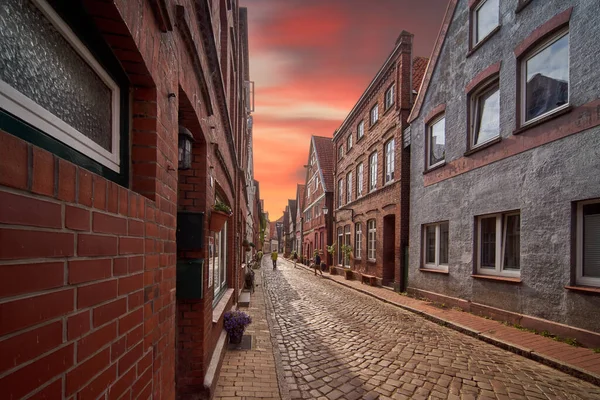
[{"x": 505, "y": 165}]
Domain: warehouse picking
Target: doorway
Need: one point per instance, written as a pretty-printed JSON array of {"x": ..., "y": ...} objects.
[{"x": 389, "y": 251}]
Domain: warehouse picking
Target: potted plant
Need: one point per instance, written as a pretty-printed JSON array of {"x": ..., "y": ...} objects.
[
  {"x": 349, "y": 274},
  {"x": 347, "y": 252},
  {"x": 331, "y": 250},
  {"x": 219, "y": 215},
  {"x": 235, "y": 323}
]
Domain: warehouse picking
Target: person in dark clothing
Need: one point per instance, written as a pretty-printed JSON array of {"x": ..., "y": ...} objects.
[{"x": 317, "y": 264}]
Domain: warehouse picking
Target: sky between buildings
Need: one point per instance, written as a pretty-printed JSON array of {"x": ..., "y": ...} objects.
[{"x": 310, "y": 61}]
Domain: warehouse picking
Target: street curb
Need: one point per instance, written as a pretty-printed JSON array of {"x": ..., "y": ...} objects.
[{"x": 514, "y": 348}]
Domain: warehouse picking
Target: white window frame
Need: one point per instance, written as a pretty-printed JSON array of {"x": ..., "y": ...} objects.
[
  {"x": 389, "y": 97},
  {"x": 371, "y": 240},
  {"x": 340, "y": 242},
  {"x": 580, "y": 279},
  {"x": 374, "y": 114},
  {"x": 538, "y": 49},
  {"x": 373, "y": 172},
  {"x": 340, "y": 152},
  {"x": 390, "y": 160},
  {"x": 340, "y": 192},
  {"x": 360, "y": 180},
  {"x": 475, "y": 100},
  {"x": 349, "y": 142},
  {"x": 347, "y": 242},
  {"x": 360, "y": 130},
  {"x": 500, "y": 244},
  {"x": 31, "y": 112},
  {"x": 430, "y": 126},
  {"x": 475, "y": 23},
  {"x": 348, "y": 187},
  {"x": 220, "y": 271},
  {"x": 437, "y": 264},
  {"x": 357, "y": 241}
]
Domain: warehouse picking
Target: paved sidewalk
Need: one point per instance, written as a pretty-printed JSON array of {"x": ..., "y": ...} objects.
[
  {"x": 577, "y": 361},
  {"x": 251, "y": 374}
]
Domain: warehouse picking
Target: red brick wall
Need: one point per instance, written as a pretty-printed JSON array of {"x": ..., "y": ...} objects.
[{"x": 86, "y": 294}]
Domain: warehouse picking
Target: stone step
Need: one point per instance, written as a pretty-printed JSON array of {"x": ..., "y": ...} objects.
[{"x": 244, "y": 300}]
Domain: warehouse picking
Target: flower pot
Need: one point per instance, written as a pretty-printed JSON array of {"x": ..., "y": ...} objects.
[
  {"x": 217, "y": 220},
  {"x": 332, "y": 270},
  {"x": 349, "y": 275},
  {"x": 235, "y": 339}
]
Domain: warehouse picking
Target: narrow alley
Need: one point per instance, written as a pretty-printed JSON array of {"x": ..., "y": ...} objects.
[{"x": 335, "y": 343}]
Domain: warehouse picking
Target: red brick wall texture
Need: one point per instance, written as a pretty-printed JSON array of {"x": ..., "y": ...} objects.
[{"x": 88, "y": 267}]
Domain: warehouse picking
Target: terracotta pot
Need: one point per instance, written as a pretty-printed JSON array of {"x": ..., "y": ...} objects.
[
  {"x": 217, "y": 220},
  {"x": 349, "y": 274}
]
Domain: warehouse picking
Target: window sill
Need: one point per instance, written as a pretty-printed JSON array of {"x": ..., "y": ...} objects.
[
  {"x": 522, "y": 5},
  {"x": 497, "y": 278},
  {"x": 358, "y": 139},
  {"x": 584, "y": 289},
  {"x": 482, "y": 41},
  {"x": 542, "y": 121},
  {"x": 372, "y": 261},
  {"x": 435, "y": 271},
  {"x": 387, "y": 110},
  {"x": 373, "y": 125},
  {"x": 483, "y": 146},
  {"x": 219, "y": 309},
  {"x": 431, "y": 169}
]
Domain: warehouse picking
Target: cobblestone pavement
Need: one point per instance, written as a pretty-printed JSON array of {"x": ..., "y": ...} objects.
[{"x": 336, "y": 343}]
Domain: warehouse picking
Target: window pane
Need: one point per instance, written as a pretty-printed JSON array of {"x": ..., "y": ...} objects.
[
  {"x": 37, "y": 61},
  {"x": 547, "y": 79},
  {"x": 488, "y": 242},
  {"x": 437, "y": 142},
  {"x": 487, "y": 18},
  {"x": 512, "y": 247},
  {"x": 591, "y": 240},
  {"x": 444, "y": 236},
  {"x": 488, "y": 114},
  {"x": 430, "y": 244}
]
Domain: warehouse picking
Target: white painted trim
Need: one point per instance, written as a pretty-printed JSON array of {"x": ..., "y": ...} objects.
[
  {"x": 498, "y": 269},
  {"x": 438, "y": 244},
  {"x": 543, "y": 46},
  {"x": 580, "y": 279},
  {"x": 28, "y": 110}
]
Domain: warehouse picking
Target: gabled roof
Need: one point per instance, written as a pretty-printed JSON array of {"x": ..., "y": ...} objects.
[
  {"x": 292, "y": 209},
  {"x": 300, "y": 190},
  {"x": 323, "y": 147},
  {"x": 419, "y": 68},
  {"x": 435, "y": 54}
]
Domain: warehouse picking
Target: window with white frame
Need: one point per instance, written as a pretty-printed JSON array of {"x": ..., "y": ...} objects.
[
  {"x": 349, "y": 142},
  {"x": 357, "y": 240},
  {"x": 499, "y": 244},
  {"x": 435, "y": 245},
  {"x": 340, "y": 242},
  {"x": 219, "y": 261},
  {"x": 360, "y": 130},
  {"x": 436, "y": 142},
  {"x": 316, "y": 183},
  {"x": 340, "y": 152},
  {"x": 485, "y": 114},
  {"x": 347, "y": 242},
  {"x": 389, "y": 97},
  {"x": 545, "y": 78},
  {"x": 389, "y": 160},
  {"x": 588, "y": 243},
  {"x": 340, "y": 193},
  {"x": 359, "y": 179},
  {"x": 374, "y": 114},
  {"x": 371, "y": 239},
  {"x": 349, "y": 187},
  {"x": 486, "y": 17},
  {"x": 373, "y": 171},
  {"x": 51, "y": 80}
]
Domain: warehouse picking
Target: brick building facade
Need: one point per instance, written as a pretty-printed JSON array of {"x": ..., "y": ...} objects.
[
  {"x": 504, "y": 184},
  {"x": 318, "y": 195},
  {"x": 90, "y": 193},
  {"x": 372, "y": 170}
]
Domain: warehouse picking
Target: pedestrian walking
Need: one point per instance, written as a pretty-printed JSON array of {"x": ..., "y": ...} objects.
[
  {"x": 317, "y": 264},
  {"x": 274, "y": 259},
  {"x": 294, "y": 257}
]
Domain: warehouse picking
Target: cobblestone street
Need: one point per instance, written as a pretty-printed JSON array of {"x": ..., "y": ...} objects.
[{"x": 336, "y": 343}]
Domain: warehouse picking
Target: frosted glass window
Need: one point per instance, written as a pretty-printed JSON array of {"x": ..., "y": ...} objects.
[{"x": 49, "y": 79}]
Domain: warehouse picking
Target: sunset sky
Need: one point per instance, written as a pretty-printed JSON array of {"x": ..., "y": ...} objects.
[{"x": 310, "y": 61}]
